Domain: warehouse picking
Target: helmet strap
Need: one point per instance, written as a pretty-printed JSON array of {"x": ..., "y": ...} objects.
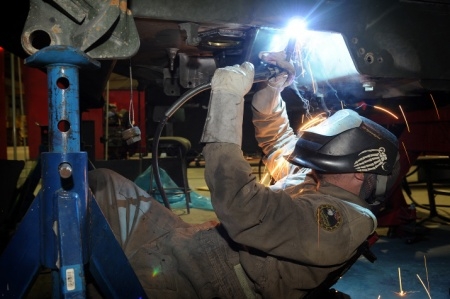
[
  {"x": 380, "y": 192},
  {"x": 368, "y": 188}
]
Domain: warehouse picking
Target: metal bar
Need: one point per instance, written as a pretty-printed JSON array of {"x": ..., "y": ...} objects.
[
  {"x": 13, "y": 103},
  {"x": 107, "y": 121},
  {"x": 22, "y": 110}
]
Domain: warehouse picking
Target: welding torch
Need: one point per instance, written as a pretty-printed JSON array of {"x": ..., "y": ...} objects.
[{"x": 265, "y": 71}]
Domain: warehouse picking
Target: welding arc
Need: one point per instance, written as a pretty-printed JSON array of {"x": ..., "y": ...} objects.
[{"x": 290, "y": 48}]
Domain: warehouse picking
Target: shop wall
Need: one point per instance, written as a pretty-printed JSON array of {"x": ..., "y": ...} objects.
[
  {"x": 36, "y": 106},
  {"x": 3, "y": 154}
]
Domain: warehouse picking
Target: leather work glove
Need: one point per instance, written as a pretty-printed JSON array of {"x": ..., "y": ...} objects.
[
  {"x": 267, "y": 99},
  {"x": 226, "y": 105}
]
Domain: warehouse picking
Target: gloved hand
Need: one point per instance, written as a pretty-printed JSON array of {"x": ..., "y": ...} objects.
[
  {"x": 226, "y": 105},
  {"x": 266, "y": 100}
]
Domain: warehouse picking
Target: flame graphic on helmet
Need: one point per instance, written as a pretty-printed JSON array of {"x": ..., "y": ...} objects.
[{"x": 371, "y": 160}]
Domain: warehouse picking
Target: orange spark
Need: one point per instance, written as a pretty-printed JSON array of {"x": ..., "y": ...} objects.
[
  {"x": 265, "y": 178},
  {"x": 435, "y": 107},
  {"x": 428, "y": 293},
  {"x": 406, "y": 122},
  {"x": 314, "y": 121},
  {"x": 312, "y": 79},
  {"x": 426, "y": 271},
  {"x": 406, "y": 152},
  {"x": 400, "y": 282},
  {"x": 280, "y": 166},
  {"x": 386, "y": 111}
]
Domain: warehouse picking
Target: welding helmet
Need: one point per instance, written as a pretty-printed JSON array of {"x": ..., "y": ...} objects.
[{"x": 347, "y": 143}]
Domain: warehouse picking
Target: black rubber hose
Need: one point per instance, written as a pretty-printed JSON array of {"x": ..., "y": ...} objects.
[{"x": 170, "y": 111}]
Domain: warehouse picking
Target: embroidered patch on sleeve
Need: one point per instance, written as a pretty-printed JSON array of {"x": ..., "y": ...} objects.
[{"x": 329, "y": 217}]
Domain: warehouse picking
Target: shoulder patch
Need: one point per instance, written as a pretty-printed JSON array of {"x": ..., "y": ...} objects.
[{"x": 329, "y": 217}]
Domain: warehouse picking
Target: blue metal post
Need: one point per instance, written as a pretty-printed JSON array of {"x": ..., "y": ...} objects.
[
  {"x": 64, "y": 229},
  {"x": 64, "y": 170}
]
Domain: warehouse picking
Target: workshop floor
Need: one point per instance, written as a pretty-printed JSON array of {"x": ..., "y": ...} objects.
[{"x": 409, "y": 265}]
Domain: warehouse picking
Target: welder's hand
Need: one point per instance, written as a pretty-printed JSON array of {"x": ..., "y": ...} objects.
[
  {"x": 286, "y": 77},
  {"x": 268, "y": 99},
  {"x": 226, "y": 105}
]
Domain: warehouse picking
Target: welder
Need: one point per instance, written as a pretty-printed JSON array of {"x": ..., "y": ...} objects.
[{"x": 277, "y": 241}]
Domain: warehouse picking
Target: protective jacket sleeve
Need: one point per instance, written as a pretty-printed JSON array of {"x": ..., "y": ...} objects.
[{"x": 276, "y": 139}]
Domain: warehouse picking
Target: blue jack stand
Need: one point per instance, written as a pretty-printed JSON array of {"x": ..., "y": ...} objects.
[{"x": 64, "y": 229}]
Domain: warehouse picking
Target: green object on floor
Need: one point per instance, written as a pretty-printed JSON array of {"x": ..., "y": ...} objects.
[{"x": 178, "y": 200}]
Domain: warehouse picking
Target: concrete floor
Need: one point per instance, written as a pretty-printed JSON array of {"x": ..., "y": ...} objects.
[{"x": 409, "y": 265}]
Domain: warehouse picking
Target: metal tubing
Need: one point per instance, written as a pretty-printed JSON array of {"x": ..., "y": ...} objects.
[
  {"x": 64, "y": 200},
  {"x": 64, "y": 126},
  {"x": 13, "y": 103}
]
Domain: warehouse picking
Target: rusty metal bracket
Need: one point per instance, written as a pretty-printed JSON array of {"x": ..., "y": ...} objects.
[{"x": 103, "y": 29}]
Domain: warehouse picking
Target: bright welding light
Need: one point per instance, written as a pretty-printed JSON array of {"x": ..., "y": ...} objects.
[
  {"x": 320, "y": 58},
  {"x": 296, "y": 28},
  {"x": 325, "y": 52}
]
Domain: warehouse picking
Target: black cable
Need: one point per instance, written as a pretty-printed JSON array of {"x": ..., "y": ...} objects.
[{"x": 169, "y": 112}]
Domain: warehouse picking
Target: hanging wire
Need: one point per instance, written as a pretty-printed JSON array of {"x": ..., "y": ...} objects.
[
  {"x": 131, "y": 107},
  {"x": 107, "y": 121}
]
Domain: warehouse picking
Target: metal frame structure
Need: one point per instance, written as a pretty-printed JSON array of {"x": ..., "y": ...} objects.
[{"x": 64, "y": 229}]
